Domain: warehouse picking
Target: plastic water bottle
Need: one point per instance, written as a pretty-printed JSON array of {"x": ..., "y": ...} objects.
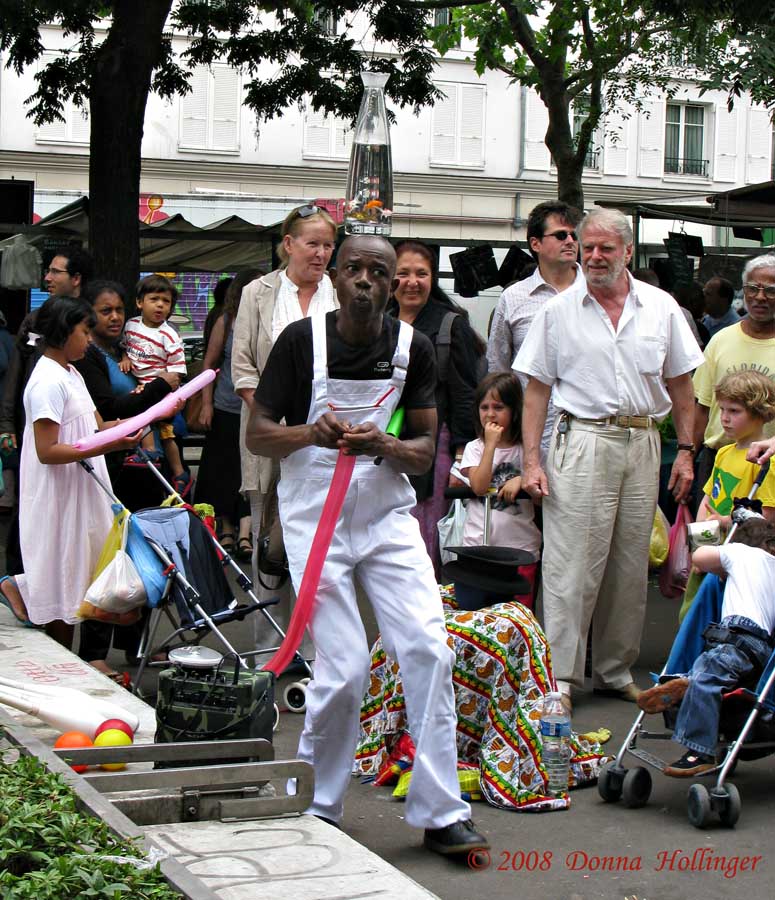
[{"x": 555, "y": 734}]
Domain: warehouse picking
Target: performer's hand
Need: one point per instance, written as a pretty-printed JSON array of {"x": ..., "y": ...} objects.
[
  {"x": 365, "y": 439},
  {"x": 327, "y": 431},
  {"x": 534, "y": 482}
]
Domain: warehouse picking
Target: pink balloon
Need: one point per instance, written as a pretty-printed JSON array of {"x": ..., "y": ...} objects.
[
  {"x": 302, "y": 611},
  {"x": 161, "y": 410}
]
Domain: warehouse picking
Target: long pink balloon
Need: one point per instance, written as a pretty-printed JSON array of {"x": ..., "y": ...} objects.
[
  {"x": 161, "y": 410},
  {"x": 302, "y": 612}
]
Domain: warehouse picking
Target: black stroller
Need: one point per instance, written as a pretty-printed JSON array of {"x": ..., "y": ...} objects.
[
  {"x": 747, "y": 724},
  {"x": 185, "y": 553}
]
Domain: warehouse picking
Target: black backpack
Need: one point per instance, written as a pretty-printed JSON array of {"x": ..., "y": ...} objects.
[{"x": 443, "y": 342}]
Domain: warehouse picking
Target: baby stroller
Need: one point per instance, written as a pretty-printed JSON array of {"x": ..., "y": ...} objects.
[
  {"x": 746, "y": 727},
  {"x": 185, "y": 580}
]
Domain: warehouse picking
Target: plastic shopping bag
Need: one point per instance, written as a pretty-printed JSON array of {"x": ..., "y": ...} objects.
[
  {"x": 675, "y": 573},
  {"x": 117, "y": 592},
  {"x": 660, "y": 537},
  {"x": 451, "y": 530}
]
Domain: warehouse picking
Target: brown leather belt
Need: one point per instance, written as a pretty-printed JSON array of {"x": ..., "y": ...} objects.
[{"x": 619, "y": 421}]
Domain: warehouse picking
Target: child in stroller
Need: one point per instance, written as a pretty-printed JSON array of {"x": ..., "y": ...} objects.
[{"x": 737, "y": 649}]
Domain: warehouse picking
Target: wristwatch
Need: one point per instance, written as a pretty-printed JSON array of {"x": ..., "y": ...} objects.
[{"x": 689, "y": 447}]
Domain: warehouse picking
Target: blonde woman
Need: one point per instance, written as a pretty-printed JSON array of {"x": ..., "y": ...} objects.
[{"x": 299, "y": 288}]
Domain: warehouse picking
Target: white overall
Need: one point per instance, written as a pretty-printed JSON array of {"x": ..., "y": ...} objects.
[{"x": 377, "y": 541}]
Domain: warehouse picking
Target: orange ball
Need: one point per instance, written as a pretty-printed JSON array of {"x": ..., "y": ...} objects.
[
  {"x": 112, "y": 737},
  {"x": 72, "y": 739}
]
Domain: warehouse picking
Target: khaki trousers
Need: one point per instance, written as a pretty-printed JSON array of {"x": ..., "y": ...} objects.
[{"x": 603, "y": 486}]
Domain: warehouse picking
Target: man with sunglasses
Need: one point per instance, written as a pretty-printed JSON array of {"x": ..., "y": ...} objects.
[
  {"x": 552, "y": 240},
  {"x": 747, "y": 344},
  {"x": 618, "y": 356},
  {"x": 335, "y": 381}
]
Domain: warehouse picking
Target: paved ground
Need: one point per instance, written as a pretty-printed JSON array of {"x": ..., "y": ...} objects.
[{"x": 594, "y": 850}]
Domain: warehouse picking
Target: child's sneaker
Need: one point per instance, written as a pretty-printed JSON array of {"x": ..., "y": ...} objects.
[
  {"x": 141, "y": 460},
  {"x": 183, "y": 484},
  {"x": 689, "y": 765}
]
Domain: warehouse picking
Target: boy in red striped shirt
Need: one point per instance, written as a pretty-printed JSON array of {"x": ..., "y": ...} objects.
[{"x": 152, "y": 347}]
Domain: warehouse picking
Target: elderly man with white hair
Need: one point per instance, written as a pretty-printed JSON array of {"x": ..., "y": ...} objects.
[
  {"x": 747, "y": 345},
  {"x": 618, "y": 355}
]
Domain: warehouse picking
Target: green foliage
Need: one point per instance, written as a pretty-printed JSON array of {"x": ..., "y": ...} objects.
[{"x": 50, "y": 850}]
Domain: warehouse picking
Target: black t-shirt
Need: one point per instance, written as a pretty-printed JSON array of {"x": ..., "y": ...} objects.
[{"x": 285, "y": 388}]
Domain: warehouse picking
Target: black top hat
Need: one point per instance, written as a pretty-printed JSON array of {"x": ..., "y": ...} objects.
[{"x": 492, "y": 569}]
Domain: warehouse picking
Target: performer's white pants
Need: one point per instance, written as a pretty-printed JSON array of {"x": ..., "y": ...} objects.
[{"x": 380, "y": 545}]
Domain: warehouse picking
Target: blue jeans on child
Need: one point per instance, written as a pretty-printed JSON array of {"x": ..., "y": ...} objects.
[{"x": 719, "y": 668}]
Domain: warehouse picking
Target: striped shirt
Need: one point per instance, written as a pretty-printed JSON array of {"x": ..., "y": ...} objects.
[{"x": 152, "y": 351}]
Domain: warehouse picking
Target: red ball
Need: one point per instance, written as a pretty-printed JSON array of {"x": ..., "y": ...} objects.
[
  {"x": 119, "y": 724},
  {"x": 72, "y": 739}
]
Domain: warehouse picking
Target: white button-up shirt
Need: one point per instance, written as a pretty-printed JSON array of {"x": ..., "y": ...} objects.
[{"x": 596, "y": 371}]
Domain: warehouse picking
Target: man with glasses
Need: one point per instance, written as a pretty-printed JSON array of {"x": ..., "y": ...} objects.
[
  {"x": 68, "y": 273},
  {"x": 748, "y": 344},
  {"x": 553, "y": 242},
  {"x": 618, "y": 355}
]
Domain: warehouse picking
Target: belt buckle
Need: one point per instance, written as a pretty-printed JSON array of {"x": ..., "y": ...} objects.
[{"x": 623, "y": 421}]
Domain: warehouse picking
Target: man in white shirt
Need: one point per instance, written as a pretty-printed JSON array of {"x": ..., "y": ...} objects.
[
  {"x": 618, "y": 354},
  {"x": 552, "y": 240}
]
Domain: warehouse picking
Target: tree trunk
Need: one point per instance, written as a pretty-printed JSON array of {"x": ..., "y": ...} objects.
[
  {"x": 568, "y": 158},
  {"x": 119, "y": 92}
]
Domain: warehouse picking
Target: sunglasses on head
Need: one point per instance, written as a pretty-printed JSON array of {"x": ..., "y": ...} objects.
[
  {"x": 304, "y": 212},
  {"x": 562, "y": 235}
]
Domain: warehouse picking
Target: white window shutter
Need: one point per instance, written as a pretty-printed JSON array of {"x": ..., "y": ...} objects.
[
  {"x": 472, "y": 99},
  {"x": 757, "y": 158},
  {"x": 54, "y": 131},
  {"x": 193, "y": 110},
  {"x": 226, "y": 108},
  {"x": 651, "y": 139},
  {"x": 343, "y": 139},
  {"x": 444, "y": 126},
  {"x": 616, "y": 153},
  {"x": 317, "y": 133},
  {"x": 725, "y": 156},
  {"x": 537, "y": 154},
  {"x": 81, "y": 127}
]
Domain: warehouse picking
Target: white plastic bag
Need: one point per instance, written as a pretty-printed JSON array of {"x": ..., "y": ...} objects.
[
  {"x": 21, "y": 264},
  {"x": 451, "y": 530},
  {"x": 117, "y": 590}
]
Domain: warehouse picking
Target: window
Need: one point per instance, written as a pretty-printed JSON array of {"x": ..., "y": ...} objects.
[
  {"x": 209, "y": 114},
  {"x": 457, "y": 131},
  {"x": 580, "y": 113},
  {"x": 75, "y": 127},
  {"x": 441, "y": 19},
  {"x": 325, "y": 135},
  {"x": 327, "y": 21},
  {"x": 685, "y": 140}
]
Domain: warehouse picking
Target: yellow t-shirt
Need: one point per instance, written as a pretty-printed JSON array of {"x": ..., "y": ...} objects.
[
  {"x": 733, "y": 476},
  {"x": 730, "y": 350}
]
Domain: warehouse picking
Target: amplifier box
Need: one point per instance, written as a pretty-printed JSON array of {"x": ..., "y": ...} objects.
[{"x": 205, "y": 705}]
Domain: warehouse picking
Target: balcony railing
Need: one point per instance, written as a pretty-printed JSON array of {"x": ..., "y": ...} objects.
[
  {"x": 592, "y": 159},
  {"x": 675, "y": 165}
]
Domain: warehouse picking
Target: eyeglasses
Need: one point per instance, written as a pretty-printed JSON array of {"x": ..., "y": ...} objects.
[
  {"x": 562, "y": 235},
  {"x": 303, "y": 212},
  {"x": 51, "y": 270},
  {"x": 751, "y": 290}
]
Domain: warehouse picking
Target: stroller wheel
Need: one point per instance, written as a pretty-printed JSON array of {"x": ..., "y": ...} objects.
[
  {"x": 276, "y": 719},
  {"x": 698, "y": 805},
  {"x": 636, "y": 788},
  {"x": 295, "y": 697},
  {"x": 727, "y": 802},
  {"x": 609, "y": 782}
]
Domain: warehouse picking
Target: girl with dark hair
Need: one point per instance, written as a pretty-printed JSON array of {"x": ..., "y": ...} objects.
[
  {"x": 420, "y": 301},
  {"x": 64, "y": 517},
  {"x": 494, "y": 462}
]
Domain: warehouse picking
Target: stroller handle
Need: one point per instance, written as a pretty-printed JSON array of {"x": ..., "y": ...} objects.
[
  {"x": 463, "y": 492},
  {"x": 763, "y": 470}
]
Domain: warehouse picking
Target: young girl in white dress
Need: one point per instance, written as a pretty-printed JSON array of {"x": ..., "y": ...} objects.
[
  {"x": 64, "y": 517},
  {"x": 494, "y": 460}
]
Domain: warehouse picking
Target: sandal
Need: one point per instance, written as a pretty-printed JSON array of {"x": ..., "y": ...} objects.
[
  {"x": 226, "y": 540},
  {"x": 245, "y": 549},
  {"x": 9, "y": 605}
]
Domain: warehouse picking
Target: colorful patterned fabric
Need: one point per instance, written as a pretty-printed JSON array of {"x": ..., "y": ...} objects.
[{"x": 502, "y": 671}]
